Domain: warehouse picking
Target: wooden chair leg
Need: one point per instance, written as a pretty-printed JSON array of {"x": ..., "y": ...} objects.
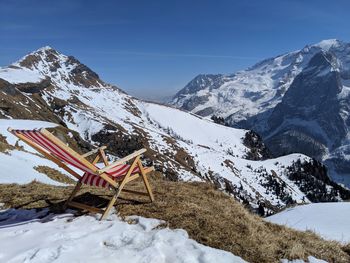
[
  {"x": 145, "y": 181},
  {"x": 113, "y": 200},
  {"x": 70, "y": 198},
  {"x": 120, "y": 188},
  {"x": 109, "y": 207}
]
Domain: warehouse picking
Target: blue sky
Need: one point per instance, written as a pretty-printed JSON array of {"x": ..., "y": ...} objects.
[{"x": 153, "y": 48}]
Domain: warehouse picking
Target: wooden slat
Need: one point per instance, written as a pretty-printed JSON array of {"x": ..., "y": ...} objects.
[
  {"x": 148, "y": 169},
  {"x": 135, "y": 192},
  {"x": 94, "y": 151},
  {"x": 133, "y": 177},
  {"x": 145, "y": 180},
  {"x": 58, "y": 142},
  {"x": 110, "y": 205},
  {"x": 120, "y": 188},
  {"x": 97, "y": 158},
  {"x": 122, "y": 160},
  {"x": 85, "y": 207},
  {"x": 75, "y": 191},
  {"x": 104, "y": 157}
]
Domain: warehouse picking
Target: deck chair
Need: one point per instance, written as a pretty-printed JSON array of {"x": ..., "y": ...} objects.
[{"x": 113, "y": 176}]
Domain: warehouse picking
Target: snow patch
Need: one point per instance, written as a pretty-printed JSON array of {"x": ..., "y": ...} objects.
[
  {"x": 329, "y": 220},
  {"x": 85, "y": 239},
  {"x": 20, "y": 75}
]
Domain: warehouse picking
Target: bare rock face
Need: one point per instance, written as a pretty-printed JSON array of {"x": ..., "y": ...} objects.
[
  {"x": 257, "y": 148},
  {"x": 311, "y": 105}
]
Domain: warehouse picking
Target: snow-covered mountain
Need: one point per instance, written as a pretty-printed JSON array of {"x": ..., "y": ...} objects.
[
  {"x": 298, "y": 102},
  {"x": 47, "y": 85}
]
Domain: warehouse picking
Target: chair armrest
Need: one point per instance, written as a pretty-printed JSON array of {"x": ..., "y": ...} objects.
[
  {"x": 122, "y": 160},
  {"x": 94, "y": 151}
]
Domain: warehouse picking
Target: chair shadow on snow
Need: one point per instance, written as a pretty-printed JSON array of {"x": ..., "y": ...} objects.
[{"x": 18, "y": 216}]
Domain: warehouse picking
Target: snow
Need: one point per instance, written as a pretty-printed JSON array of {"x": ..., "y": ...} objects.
[
  {"x": 329, "y": 220},
  {"x": 194, "y": 129},
  {"x": 18, "y": 167},
  {"x": 22, "y": 124},
  {"x": 20, "y": 75},
  {"x": 310, "y": 259},
  {"x": 258, "y": 88},
  {"x": 328, "y": 44},
  {"x": 26, "y": 236}
]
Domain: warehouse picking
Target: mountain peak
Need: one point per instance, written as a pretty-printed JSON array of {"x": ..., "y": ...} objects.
[
  {"x": 44, "y": 48},
  {"x": 42, "y": 54},
  {"x": 329, "y": 43},
  {"x": 46, "y": 61}
]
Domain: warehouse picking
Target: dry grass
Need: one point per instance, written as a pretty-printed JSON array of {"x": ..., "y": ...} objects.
[
  {"x": 4, "y": 146},
  {"x": 209, "y": 216},
  {"x": 54, "y": 174}
]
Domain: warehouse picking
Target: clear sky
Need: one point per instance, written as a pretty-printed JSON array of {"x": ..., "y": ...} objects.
[{"x": 154, "y": 48}]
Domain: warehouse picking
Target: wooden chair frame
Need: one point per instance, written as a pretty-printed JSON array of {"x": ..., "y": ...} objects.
[{"x": 117, "y": 185}]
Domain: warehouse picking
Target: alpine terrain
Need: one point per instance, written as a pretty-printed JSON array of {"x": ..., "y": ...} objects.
[
  {"x": 49, "y": 86},
  {"x": 297, "y": 102}
]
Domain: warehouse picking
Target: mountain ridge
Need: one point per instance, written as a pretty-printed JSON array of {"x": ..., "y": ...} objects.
[
  {"x": 252, "y": 98},
  {"x": 184, "y": 147}
]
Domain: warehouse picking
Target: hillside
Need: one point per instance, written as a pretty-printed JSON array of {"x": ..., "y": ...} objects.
[
  {"x": 297, "y": 101},
  {"x": 209, "y": 216},
  {"x": 46, "y": 85}
]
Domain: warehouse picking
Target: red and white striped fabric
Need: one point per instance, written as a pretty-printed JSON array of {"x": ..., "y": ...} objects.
[
  {"x": 116, "y": 172},
  {"x": 89, "y": 177},
  {"x": 40, "y": 139}
]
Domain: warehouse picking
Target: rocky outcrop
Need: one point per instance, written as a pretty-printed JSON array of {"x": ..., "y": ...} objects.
[{"x": 257, "y": 148}]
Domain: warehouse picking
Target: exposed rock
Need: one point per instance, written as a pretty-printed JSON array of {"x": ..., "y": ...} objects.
[{"x": 258, "y": 150}]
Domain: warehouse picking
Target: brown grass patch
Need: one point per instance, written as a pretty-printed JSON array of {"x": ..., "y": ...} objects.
[
  {"x": 208, "y": 215},
  {"x": 54, "y": 174},
  {"x": 4, "y": 146}
]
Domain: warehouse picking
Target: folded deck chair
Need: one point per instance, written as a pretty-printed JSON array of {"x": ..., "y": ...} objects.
[{"x": 113, "y": 176}]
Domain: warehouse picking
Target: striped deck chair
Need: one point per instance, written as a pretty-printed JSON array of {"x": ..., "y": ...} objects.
[{"x": 113, "y": 176}]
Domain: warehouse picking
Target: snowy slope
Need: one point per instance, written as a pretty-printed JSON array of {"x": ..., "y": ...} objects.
[
  {"x": 330, "y": 220},
  {"x": 85, "y": 239},
  {"x": 182, "y": 145},
  {"x": 19, "y": 75}
]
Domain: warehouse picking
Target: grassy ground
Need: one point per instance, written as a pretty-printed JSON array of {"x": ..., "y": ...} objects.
[{"x": 209, "y": 216}]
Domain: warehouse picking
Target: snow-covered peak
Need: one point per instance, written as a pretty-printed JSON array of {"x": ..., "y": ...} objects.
[
  {"x": 46, "y": 62},
  {"x": 328, "y": 44},
  {"x": 43, "y": 53},
  {"x": 44, "y": 48},
  {"x": 258, "y": 88}
]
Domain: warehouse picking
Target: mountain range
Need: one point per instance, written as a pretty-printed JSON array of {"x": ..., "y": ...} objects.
[
  {"x": 297, "y": 102},
  {"x": 50, "y": 86}
]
